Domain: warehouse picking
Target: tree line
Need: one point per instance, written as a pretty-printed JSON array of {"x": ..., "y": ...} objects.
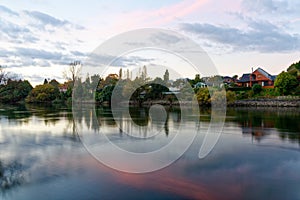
[{"x": 139, "y": 89}]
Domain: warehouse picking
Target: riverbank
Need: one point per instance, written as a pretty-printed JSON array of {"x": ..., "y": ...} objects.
[
  {"x": 268, "y": 102},
  {"x": 280, "y": 101}
]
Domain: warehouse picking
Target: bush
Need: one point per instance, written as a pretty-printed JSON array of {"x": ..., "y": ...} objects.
[
  {"x": 285, "y": 82},
  {"x": 230, "y": 96},
  {"x": 43, "y": 93},
  {"x": 256, "y": 88},
  {"x": 14, "y": 91},
  {"x": 203, "y": 96}
]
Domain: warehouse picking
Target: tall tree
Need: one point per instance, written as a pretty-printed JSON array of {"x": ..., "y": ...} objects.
[
  {"x": 73, "y": 71},
  {"x": 144, "y": 73},
  {"x": 127, "y": 74},
  {"x": 2, "y": 75},
  {"x": 120, "y": 74},
  {"x": 45, "y": 81},
  {"x": 166, "y": 76}
]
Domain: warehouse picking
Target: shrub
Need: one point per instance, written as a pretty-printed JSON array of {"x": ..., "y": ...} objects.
[
  {"x": 256, "y": 88},
  {"x": 230, "y": 96},
  {"x": 203, "y": 96}
]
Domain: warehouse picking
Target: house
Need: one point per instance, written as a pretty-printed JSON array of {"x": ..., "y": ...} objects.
[
  {"x": 228, "y": 79},
  {"x": 63, "y": 88},
  {"x": 200, "y": 85},
  {"x": 259, "y": 76}
]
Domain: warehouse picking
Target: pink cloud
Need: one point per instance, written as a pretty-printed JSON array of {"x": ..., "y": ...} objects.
[{"x": 154, "y": 18}]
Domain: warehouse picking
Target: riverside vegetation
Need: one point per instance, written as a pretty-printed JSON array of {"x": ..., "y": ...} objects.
[{"x": 145, "y": 89}]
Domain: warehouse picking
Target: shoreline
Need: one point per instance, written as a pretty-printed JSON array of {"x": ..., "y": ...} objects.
[{"x": 260, "y": 102}]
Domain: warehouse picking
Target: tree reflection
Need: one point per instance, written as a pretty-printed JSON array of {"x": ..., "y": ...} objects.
[
  {"x": 11, "y": 175},
  {"x": 260, "y": 122}
]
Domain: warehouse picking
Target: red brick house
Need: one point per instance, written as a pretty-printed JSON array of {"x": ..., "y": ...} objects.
[{"x": 259, "y": 76}]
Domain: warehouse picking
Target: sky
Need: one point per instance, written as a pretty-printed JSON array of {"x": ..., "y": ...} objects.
[{"x": 39, "y": 38}]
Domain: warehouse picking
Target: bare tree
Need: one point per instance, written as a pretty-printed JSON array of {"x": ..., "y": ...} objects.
[{"x": 73, "y": 71}]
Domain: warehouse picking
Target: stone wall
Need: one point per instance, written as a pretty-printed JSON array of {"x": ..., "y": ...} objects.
[{"x": 275, "y": 102}]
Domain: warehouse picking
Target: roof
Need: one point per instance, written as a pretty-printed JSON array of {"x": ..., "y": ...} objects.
[
  {"x": 266, "y": 74},
  {"x": 200, "y": 84},
  {"x": 244, "y": 78}
]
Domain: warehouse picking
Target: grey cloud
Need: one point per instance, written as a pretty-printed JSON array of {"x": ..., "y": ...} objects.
[
  {"x": 131, "y": 61},
  {"x": 260, "y": 36},
  {"x": 38, "y": 53},
  {"x": 35, "y": 78},
  {"x": 123, "y": 61},
  {"x": 15, "y": 33},
  {"x": 45, "y": 19},
  {"x": 166, "y": 38},
  {"x": 4, "y": 9},
  {"x": 78, "y": 53},
  {"x": 11, "y": 28},
  {"x": 4, "y": 53},
  {"x": 271, "y": 6}
]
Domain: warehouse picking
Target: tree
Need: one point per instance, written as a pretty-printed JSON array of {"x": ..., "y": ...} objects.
[
  {"x": 43, "y": 93},
  {"x": 54, "y": 82},
  {"x": 197, "y": 78},
  {"x": 73, "y": 71},
  {"x": 166, "y": 76},
  {"x": 2, "y": 75},
  {"x": 14, "y": 91},
  {"x": 45, "y": 81},
  {"x": 120, "y": 73},
  {"x": 256, "y": 88},
  {"x": 285, "y": 82},
  {"x": 144, "y": 73},
  {"x": 294, "y": 69},
  {"x": 128, "y": 74},
  {"x": 203, "y": 96}
]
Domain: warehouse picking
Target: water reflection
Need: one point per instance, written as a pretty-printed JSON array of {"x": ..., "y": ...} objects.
[
  {"x": 263, "y": 122},
  {"x": 41, "y": 151}
]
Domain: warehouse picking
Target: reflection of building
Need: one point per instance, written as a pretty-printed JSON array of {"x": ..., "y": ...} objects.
[
  {"x": 259, "y": 76},
  {"x": 257, "y": 126}
]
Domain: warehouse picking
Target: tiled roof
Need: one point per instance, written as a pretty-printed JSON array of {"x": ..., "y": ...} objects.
[
  {"x": 266, "y": 74},
  {"x": 244, "y": 78}
]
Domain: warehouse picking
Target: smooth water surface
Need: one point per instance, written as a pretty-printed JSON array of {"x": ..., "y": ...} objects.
[{"x": 42, "y": 157}]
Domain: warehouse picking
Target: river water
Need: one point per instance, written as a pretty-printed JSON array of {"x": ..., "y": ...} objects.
[{"x": 42, "y": 155}]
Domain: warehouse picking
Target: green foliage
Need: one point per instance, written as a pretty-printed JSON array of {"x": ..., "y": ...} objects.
[
  {"x": 285, "y": 82},
  {"x": 43, "y": 93},
  {"x": 294, "y": 69},
  {"x": 186, "y": 92},
  {"x": 256, "y": 88},
  {"x": 203, "y": 96},
  {"x": 195, "y": 80},
  {"x": 14, "y": 91},
  {"x": 270, "y": 92},
  {"x": 218, "y": 97},
  {"x": 105, "y": 94},
  {"x": 230, "y": 96}
]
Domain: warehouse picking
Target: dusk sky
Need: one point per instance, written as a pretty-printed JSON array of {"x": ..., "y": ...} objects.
[{"x": 38, "y": 38}]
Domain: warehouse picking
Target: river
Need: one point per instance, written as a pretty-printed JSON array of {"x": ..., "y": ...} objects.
[{"x": 43, "y": 157}]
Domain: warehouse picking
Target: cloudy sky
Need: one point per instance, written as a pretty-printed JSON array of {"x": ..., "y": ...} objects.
[{"x": 39, "y": 38}]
